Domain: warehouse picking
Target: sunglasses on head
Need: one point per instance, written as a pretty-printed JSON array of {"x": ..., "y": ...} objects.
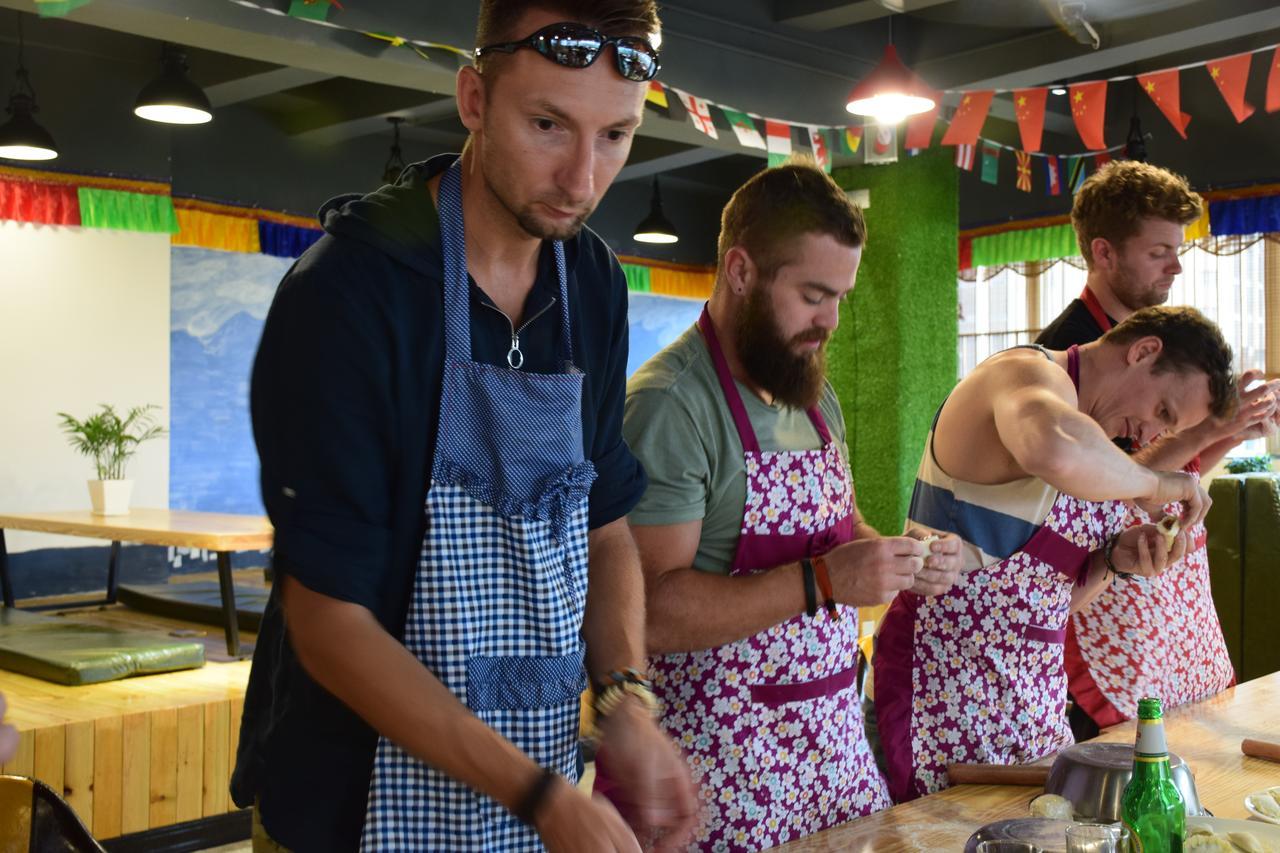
[{"x": 576, "y": 46}]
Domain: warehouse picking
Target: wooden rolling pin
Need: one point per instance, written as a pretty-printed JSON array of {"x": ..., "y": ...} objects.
[
  {"x": 1030, "y": 775},
  {"x": 1261, "y": 749}
]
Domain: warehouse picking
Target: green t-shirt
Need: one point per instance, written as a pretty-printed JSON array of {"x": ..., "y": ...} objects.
[{"x": 678, "y": 424}]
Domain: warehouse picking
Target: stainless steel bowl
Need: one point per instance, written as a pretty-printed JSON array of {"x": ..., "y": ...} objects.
[{"x": 1093, "y": 775}]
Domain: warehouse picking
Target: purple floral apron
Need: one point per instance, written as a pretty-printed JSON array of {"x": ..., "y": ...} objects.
[
  {"x": 772, "y": 725},
  {"x": 976, "y": 675}
]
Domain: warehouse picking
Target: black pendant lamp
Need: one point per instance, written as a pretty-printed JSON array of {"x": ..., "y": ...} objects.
[
  {"x": 172, "y": 98},
  {"x": 395, "y": 161},
  {"x": 21, "y": 137},
  {"x": 656, "y": 228}
]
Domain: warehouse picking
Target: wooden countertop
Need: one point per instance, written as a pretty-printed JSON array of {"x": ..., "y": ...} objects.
[
  {"x": 1206, "y": 735},
  {"x": 213, "y": 531}
]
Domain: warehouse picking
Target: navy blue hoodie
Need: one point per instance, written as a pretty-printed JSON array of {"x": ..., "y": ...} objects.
[{"x": 345, "y": 402}]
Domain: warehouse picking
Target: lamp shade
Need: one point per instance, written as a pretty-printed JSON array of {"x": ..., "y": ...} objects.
[
  {"x": 890, "y": 93},
  {"x": 172, "y": 98},
  {"x": 21, "y": 137},
  {"x": 655, "y": 228}
]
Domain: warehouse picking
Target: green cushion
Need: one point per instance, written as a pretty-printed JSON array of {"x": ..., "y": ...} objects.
[
  {"x": 1261, "y": 594},
  {"x": 198, "y": 601},
  {"x": 64, "y": 651},
  {"x": 1226, "y": 563}
]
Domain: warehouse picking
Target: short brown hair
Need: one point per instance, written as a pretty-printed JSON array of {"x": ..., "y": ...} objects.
[
  {"x": 1115, "y": 199},
  {"x": 1192, "y": 343},
  {"x": 611, "y": 17},
  {"x": 776, "y": 206}
]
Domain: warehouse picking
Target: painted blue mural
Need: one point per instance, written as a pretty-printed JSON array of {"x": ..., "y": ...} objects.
[{"x": 219, "y": 303}]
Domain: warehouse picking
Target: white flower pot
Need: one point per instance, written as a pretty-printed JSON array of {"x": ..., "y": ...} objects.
[{"x": 110, "y": 497}]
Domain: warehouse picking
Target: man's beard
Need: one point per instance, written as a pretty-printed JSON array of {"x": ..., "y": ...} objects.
[
  {"x": 1131, "y": 295},
  {"x": 525, "y": 217},
  {"x": 793, "y": 379}
]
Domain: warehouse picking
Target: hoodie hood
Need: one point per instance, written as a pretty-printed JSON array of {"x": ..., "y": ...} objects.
[{"x": 398, "y": 219}]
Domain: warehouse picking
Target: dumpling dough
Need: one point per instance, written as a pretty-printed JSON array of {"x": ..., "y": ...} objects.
[
  {"x": 1246, "y": 842},
  {"x": 1052, "y": 806},
  {"x": 1206, "y": 843},
  {"x": 1267, "y": 802},
  {"x": 1169, "y": 526}
]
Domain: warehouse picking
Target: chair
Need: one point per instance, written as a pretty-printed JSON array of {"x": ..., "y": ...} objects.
[{"x": 34, "y": 818}]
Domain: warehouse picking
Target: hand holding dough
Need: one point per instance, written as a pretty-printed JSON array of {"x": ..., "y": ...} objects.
[{"x": 1169, "y": 526}]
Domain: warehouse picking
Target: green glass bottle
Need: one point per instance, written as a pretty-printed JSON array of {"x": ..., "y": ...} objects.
[{"x": 1152, "y": 806}]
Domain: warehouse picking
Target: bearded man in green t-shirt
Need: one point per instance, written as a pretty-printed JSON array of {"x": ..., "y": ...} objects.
[{"x": 755, "y": 555}]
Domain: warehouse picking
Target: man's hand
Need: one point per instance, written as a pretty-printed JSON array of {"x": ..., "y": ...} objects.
[
  {"x": 1180, "y": 487},
  {"x": 941, "y": 564},
  {"x": 1259, "y": 412},
  {"x": 651, "y": 780},
  {"x": 570, "y": 821},
  {"x": 872, "y": 571},
  {"x": 1144, "y": 550}
]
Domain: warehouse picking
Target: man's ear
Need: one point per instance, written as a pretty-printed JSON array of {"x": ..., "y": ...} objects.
[
  {"x": 739, "y": 270},
  {"x": 1146, "y": 350},
  {"x": 470, "y": 95}
]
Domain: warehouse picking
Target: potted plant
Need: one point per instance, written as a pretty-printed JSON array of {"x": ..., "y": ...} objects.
[{"x": 111, "y": 440}]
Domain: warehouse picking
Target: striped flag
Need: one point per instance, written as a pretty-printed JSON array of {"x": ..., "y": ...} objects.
[
  {"x": 1076, "y": 173},
  {"x": 1024, "y": 171},
  {"x": 1053, "y": 175},
  {"x": 964, "y": 157},
  {"x": 778, "y": 137},
  {"x": 744, "y": 128},
  {"x": 850, "y": 139},
  {"x": 699, "y": 112}
]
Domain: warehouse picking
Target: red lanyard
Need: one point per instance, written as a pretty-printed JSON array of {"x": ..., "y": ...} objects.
[{"x": 1095, "y": 309}]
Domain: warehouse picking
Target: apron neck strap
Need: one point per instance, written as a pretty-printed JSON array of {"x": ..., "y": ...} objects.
[
  {"x": 457, "y": 289},
  {"x": 1091, "y": 303},
  {"x": 746, "y": 433}
]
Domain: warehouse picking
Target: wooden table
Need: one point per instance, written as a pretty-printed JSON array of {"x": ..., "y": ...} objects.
[
  {"x": 1207, "y": 735},
  {"x": 212, "y": 531}
]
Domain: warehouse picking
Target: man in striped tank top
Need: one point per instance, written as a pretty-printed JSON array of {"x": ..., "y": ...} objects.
[{"x": 1017, "y": 464}]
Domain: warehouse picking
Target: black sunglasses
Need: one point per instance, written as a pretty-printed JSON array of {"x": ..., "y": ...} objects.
[{"x": 576, "y": 46}]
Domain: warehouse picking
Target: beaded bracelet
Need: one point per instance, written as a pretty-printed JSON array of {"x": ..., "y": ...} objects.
[{"x": 628, "y": 682}]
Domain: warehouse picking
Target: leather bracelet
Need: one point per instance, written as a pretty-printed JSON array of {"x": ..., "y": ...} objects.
[
  {"x": 824, "y": 583},
  {"x": 1106, "y": 556},
  {"x": 810, "y": 588},
  {"x": 527, "y": 809}
]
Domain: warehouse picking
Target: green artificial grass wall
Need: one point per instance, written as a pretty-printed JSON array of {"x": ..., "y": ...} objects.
[{"x": 893, "y": 358}]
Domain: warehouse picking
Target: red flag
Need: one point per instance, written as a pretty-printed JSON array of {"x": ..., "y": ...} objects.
[
  {"x": 1024, "y": 171},
  {"x": 1273, "y": 83},
  {"x": 1101, "y": 159},
  {"x": 920, "y": 126},
  {"x": 966, "y": 124},
  {"x": 1089, "y": 109},
  {"x": 1230, "y": 75},
  {"x": 1028, "y": 106},
  {"x": 1163, "y": 88},
  {"x": 1053, "y": 171},
  {"x": 964, "y": 157}
]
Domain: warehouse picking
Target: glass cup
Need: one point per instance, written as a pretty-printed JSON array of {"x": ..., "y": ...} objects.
[
  {"x": 1007, "y": 847},
  {"x": 1097, "y": 838}
]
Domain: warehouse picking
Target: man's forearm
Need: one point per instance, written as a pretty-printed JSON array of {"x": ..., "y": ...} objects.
[
  {"x": 344, "y": 648},
  {"x": 1174, "y": 452},
  {"x": 613, "y": 626}
]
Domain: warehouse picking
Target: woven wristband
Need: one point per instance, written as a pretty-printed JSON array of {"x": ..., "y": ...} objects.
[
  {"x": 810, "y": 588},
  {"x": 824, "y": 583}
]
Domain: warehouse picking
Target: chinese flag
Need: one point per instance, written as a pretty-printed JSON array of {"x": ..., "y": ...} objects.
[
  {"x": 1089, "y": 109},
  {"x": 1162, "y": 86},
  {"x": 1273, "y": 83},
  {"x": 1230, "y": 75},
  {"x": 920, "y": 126},
  {"x": 1028, "y": 106},
  {"x": 966, "y": 124}
]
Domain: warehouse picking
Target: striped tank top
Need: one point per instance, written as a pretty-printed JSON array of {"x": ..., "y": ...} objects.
[{"x": 992, "y": 521}]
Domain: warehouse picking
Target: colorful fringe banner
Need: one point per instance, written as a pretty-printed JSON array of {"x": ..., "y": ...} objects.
[
  {"x": 216, "y": 231},
  {"x": 666, "y": 279},
  {"x": 44, "y": 204},
  {"x": 125, "y": 211},
  {"x": 1028, "y": 244},
  {"x": 285, "y": 241},
  {"x": 1258, "y": 215}
]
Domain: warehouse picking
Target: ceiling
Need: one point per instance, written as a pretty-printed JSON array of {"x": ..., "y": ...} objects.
[{"x": 326, "y": 89}]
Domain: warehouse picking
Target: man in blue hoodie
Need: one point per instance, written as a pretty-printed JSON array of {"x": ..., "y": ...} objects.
[{"x": 437, "y": 407}]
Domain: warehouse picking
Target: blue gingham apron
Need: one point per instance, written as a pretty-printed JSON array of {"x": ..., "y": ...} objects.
[{"x": 498, "y": 599}]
